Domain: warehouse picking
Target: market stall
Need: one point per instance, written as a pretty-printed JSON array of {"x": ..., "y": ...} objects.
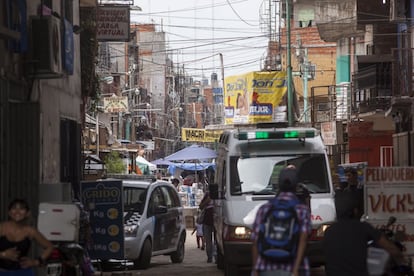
[{"x": 196, "y": 159}]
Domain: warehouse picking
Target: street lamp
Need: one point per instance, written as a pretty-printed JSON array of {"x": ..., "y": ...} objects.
[{"x": 136, "y": 90}]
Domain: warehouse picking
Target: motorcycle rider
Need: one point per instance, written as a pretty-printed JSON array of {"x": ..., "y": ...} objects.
[{"x": 346, "y": 241}]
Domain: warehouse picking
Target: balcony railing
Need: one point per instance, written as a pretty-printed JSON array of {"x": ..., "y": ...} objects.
[
  {"x": 372, "y": 85},
  {"x": 378, "y": 103}
]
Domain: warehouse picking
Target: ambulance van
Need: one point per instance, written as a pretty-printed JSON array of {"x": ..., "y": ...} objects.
[{"x": 247, "y": 168}]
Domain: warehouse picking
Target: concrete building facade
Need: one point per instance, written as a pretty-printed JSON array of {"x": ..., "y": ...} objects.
[{"x": 41, "y": 103}]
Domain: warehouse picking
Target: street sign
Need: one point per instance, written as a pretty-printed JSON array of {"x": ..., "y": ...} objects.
[
  {"x": 115, "y": 104},
  {"x": 389, "y": 191}
]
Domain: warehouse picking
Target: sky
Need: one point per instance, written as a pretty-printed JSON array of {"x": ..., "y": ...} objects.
[{"x": 198, "y": 31}]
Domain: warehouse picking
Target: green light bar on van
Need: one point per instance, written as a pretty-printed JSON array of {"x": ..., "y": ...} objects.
[{"x": 278, "y": 134}]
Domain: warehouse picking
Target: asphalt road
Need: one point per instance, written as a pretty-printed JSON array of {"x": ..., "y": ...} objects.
[{"x": 195, "y": 263}]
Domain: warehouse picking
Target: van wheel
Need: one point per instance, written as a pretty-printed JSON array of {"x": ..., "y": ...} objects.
[
  {"x": 144, "y": 259},
  {"x": 220, "y": 259},
  {"x": 230, "y": 270},
  {"x": 178, "y": 256}
]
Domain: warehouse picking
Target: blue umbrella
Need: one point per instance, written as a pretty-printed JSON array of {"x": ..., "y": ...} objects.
[
  {"x": 162, "y": 161},
  {"x": 193, "y": 152},
  {"x": 190, "y": 166}
]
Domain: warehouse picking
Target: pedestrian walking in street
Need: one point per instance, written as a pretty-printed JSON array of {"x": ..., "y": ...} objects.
[
  {"x": 206, "y": 206},
  {"x": 198, "y": 230},
  {"x": 293, "y": 260},
  {"x": 176, "y": 183},
  {"x": 16, "y": 238},
  {"x": 345, "y": 242},
  {"x": 354, "y": 187}
]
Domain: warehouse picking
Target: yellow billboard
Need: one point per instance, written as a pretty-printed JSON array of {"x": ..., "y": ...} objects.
[
  {"x": 200, "y": 135},
  {"x": 253, "y": 97}
]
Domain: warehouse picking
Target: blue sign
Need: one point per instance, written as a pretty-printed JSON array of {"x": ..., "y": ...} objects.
[
  {"x": 103, "y": 200},
  {"x": 217, "y": 91}
]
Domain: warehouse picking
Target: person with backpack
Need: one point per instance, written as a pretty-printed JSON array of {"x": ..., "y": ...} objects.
[{"x": 280, "y": 232}]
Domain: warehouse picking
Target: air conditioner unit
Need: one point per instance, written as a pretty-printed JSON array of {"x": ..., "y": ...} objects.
[
  {"x": 46, "y": 47},
  {"x": 397, "y": 10}
]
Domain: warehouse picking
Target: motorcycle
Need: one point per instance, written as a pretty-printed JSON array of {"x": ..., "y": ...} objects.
[
  {"x": 379, "y": 261},
  {"x": 65, "y": 225},
  {"x": 65, "y": 260}
]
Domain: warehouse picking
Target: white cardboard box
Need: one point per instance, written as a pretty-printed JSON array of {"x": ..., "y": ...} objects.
[{"x": 59, "y": 221}]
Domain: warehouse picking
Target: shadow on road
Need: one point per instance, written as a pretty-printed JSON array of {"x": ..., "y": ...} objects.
[{"x": 195, "y": 263}]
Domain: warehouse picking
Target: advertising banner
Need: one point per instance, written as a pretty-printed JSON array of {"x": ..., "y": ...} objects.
[
  {"x": 253, "y": 97},
  {"x": 113, "y": 23},
  {"x": 115, "y": 104},
  {"x": 332, "y": 133},
  {"x": 200, "y": 135},
  {"x": 389, "y": 191},
  {"x": 103, "y": 200}
]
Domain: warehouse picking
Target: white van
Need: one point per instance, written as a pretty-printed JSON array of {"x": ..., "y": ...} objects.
[{"x": 247, "y": 168}]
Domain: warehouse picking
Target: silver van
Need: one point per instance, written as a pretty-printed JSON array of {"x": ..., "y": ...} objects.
[{"x": 247, "y": 168}]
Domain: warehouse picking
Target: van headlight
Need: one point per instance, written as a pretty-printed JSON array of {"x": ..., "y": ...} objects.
[
  {"x": 130, "y": 230},
  {"x": 237, "y": 233},
  {"x": 318, "y": 233}
]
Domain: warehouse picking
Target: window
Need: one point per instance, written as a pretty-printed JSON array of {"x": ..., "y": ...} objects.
[
  {"x": 171, "y": 198},
  {"x": 70, "y": 149},
  {"x": 134, "y": 199},
  {"x": 305, "y": 23},
  {"x": 220, "y": 177},
  {"x": 167, "y": 197},
  {"x": 156, "y": 201},
  {"x": 224, "y": 179}
]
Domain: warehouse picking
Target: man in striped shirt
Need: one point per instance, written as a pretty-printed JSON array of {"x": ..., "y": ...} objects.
[{"x": 288, "y": 182}]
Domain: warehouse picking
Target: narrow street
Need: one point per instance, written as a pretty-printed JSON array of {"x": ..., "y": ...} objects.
[{"x": 195, "y": 263}]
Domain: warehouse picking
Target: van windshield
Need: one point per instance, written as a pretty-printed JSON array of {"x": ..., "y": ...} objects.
[{"x": 260, "y": 174}]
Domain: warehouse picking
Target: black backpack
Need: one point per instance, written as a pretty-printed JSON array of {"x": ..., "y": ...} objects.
[{"x": 279, "y": 231}]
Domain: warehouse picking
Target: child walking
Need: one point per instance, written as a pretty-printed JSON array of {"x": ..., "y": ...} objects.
[{"x": 198, "y": 229}]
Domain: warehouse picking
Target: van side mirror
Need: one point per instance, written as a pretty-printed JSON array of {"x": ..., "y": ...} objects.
[{"x": 213, "y": 191}]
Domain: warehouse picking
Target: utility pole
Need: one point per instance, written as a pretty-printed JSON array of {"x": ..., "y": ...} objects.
[
  {"x": 97, "y": 131},
  {"x": 305, "y": 85},
  {"x": 222, "y": 76},
  {"x": 119, "y": 125},
  {"x": 128, "y": 121},
  {"x": 289, "y": 67},
  {"x": 307, "y": 72}
]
